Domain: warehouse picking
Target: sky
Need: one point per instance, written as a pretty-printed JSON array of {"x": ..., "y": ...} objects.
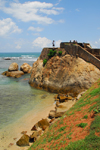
[{"x": 29, "y": 26}]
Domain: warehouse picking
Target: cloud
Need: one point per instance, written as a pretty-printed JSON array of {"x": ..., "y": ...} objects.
[
  {"x": 32, "y": 11},
  {"x": 18, "y": 47},
  {"x": 95, "y": 44},
  {"x": 44, "y": 42},
  {"x": 77, "y": 10},
  {"x": 38, "y": 29},
  {"x": 61, "y": 21},
  {"x": 58, "y": 2},
  {"x": 7, "y": 26},
  {"x": 57, "y": 43}
]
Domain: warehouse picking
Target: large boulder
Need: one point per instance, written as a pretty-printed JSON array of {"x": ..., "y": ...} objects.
[
  {"x": 23, "y": 141},
  {"x": 65, "y": 74},
  {"x": 13, "y": 67},
  {"x": 26, "y": 68}
]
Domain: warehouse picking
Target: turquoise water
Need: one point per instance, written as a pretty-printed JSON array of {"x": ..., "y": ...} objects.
[{"x": 16, "y": 95}]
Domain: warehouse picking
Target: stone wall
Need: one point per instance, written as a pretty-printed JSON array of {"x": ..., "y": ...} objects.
[{"x": 77, "y": 50}]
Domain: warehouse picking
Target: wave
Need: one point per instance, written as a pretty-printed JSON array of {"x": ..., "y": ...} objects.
[{"x": 22, "y": 57}]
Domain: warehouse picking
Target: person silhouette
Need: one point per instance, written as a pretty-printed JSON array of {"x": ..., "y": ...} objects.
[{"x": 53, "y": 44}]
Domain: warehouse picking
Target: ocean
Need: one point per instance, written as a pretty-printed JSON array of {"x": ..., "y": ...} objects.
[{"x": 16, "y": 96}]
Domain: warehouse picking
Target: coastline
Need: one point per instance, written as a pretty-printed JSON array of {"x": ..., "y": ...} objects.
[{"x": 10, "y": 135}]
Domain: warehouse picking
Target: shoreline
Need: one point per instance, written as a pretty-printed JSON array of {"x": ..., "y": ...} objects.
[{"x": 9, "y": 136}]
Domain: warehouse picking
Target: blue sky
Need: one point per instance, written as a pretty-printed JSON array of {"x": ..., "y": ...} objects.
[{"x": 28, "y": 26}]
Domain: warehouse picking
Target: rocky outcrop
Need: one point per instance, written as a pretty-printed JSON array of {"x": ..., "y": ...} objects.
[
  {"x": 63, "y": 74},
  {"x": 26, "y": 68},
  {"x": 13, "y": 67},
  {"x": 15, "y": 73}
]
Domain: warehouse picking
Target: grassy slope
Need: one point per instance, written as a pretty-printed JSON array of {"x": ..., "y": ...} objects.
[{"x": 78, "y": 128}]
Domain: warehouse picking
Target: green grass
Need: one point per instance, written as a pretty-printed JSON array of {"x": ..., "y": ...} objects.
[
  {"x": 62, "y": 128},
  {"x": 82, "y": 125},
  {"x": 91, "y": 141},
  {"x": 85, "y": 117},
  {"x": 58, "y": 136}
]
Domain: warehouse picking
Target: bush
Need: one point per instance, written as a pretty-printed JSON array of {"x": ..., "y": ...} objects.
[
  {"x": 82, "y": 125},
  {"x": 60, "y": 53},
  {"x": 51, "y": 53},
  {"x": 44, "y": 61}
]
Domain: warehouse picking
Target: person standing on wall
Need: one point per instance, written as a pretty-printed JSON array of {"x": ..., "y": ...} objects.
[{"x": 53, "y": 43}]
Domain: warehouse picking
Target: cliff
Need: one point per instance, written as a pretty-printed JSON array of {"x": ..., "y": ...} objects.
[{"x": 63, "y": 74}]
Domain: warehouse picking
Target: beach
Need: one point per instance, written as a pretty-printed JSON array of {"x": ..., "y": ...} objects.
[{"x": 11, "y": 133}]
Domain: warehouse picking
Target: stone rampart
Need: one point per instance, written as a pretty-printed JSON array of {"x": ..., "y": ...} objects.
[{"x": 76, "y": 50}]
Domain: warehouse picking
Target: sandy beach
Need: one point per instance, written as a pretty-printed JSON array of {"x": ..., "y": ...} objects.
[{"x": 11, "y": 133}]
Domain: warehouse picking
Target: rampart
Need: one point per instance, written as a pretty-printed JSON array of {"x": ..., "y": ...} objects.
[{"x": 77, "y": 50}]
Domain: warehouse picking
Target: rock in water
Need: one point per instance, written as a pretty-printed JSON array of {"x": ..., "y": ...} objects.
[
  {"x": 26, "y": 68},
  {"x": 13, "y": 67},
  {"x": 65, "y": 74},
  {"x": 23, "y": 141}
]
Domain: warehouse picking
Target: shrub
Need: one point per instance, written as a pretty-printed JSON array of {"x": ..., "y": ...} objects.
[
  {"x": 85, "y": 117},
  {"x": 44, "y": 61},
  {"x": 82, "y": 125},
  {"x": 51, "y": 53},
  {"x": 60, "y": 53}
]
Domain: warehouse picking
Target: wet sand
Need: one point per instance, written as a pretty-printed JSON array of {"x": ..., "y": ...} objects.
[{"x": 11, "y": 133}]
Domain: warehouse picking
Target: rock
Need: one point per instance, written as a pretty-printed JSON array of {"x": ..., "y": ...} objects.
[
  {"x": 52, "y": 114},
  {"x": 15, "y": 74},
  {"x": 43, "y": 124},
  {"x": 23, "y": 132},
  {"x": 35, "y": 135},
  {"x": 44, "y": 96},
  {"x": 63, "y": 74},
  {"x": 13, "y": 67},
  {"x": 59, "y": 114},
  {"x": 26, "y": 68},
  {"x": 62, "y": 98},
  {"x": 23, "y": 141},
  {"x": 34, "y": 128},
  {"x": 4, "y": 73},
  {"x": 7, "y": 58}
]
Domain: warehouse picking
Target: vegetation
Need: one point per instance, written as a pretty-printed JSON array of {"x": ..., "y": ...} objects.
[
  {"x": 51, "y": 53},
  {"x": 61, "y": 134},
  {"x": 85, "y": 117},
  {"x": 60, "y": 53},
  {"x": 44, "y": 61},
  {"x": 82, "y": 125}
]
